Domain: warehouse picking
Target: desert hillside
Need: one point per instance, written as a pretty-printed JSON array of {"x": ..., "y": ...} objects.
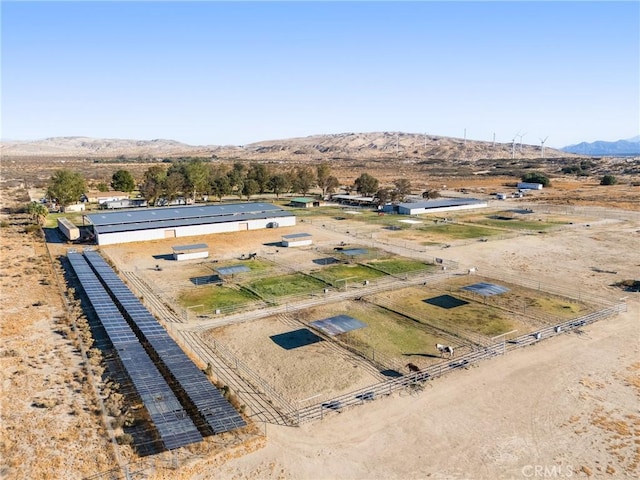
[{"x": 376, "y": 145}]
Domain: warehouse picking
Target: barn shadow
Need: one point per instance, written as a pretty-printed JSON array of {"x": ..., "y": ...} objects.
[
  {"x": 272, "y": 244},
  {"x": 165, "y": 256},
  {"x": 53, "y": 235},
  {"x": 445, "y": 301},
  {"x": 206, "y": 280},
  {"x": 326, "y": 261},
  {"x": 295, "y": 339}
]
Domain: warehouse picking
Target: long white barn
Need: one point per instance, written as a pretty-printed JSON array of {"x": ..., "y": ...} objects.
[
  {"x": 175, "y": 222},
  {"x": 435, "y": 206}
]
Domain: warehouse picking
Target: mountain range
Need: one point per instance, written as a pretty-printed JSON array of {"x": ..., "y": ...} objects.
[
  {"x": 628, "y": 147},
  {"x": 342, "y": 146}
]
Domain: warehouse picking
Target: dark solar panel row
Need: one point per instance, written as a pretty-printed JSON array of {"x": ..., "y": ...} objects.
[
  {"x": 217, "y": 412},
  {"x": 175, "y": 427}
]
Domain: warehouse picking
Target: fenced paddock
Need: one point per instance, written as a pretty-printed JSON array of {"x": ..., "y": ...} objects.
[
  {"x": 414, "y": 380},
  {"x": 470, "y": 347},
  {"x": 295, "y": 361}
]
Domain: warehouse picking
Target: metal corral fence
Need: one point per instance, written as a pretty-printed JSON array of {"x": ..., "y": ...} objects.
[
  {"x": 283, "y": 405},
  {"x": 414, "y": 380},
  {"x": 326, "y": 295},
  {"x": 529, "y": 281}
]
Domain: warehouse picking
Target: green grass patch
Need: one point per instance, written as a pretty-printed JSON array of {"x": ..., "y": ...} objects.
[
  {"x": 284, "y": 285},
  {"x": 394, "y": 266},
  {"x": 392, "y": 335},
  {"x": 457, "y": 232},
  {"x": 73, "y": 217},
  {"x": 558, "y": 307},
  {"x": 337, "y": 275},
  {"x": 212, "y": 297}
]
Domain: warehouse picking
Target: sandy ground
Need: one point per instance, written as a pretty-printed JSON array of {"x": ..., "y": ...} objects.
[{"x": 566, "y": 407}]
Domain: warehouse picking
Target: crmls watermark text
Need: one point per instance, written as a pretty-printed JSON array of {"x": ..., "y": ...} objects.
[{"x": 547, "y": 471}]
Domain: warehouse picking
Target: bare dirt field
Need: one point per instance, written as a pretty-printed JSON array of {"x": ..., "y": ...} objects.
[{"x": 565, "y": 407}]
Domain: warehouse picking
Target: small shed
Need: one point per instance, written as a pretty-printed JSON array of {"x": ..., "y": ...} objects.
[
  {"x": 297, "y": 240},
  {"x": 74, "y": 207},
  {"x": 304, "y": 202},
  {"x": 68, "y": 229},
  {"x": 190, "y": 252},
  {"x": 529, "y": 186}
]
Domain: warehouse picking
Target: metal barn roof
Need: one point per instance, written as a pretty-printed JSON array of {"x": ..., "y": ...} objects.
[
  {"x": 296, "y": 235},
  {"x": 486, "y": 289},
  {"x": 170, "y": 217},
  {"x": 338, "y": 324},
  {"x": 447, "y": 202},
  {"x": 190, "y": 248}
]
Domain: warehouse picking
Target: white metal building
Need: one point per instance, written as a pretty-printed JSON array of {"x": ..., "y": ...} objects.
[
  {"x": 529, "y": 186},
  {"x": 297, "y": 240},
  {"x": 175, "y": 222},
  {"x": 434, "y": 206},
  {"x": 190, "y": 252},
  {"x": 68, "y": 229}
]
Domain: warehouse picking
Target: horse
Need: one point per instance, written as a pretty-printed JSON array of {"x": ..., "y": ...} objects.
[
  {"x": 412, "y": 367},
  {"x": 472, "y": 270},
  {"x": 445, "y": 349}
]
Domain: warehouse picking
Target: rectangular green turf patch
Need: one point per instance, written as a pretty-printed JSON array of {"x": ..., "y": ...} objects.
[
  {"x": 337, "y": 275},
  {"x": 213, "y": 297},
  {"x": 394, "y": 266},
  {"x": 284, "y": 285}
]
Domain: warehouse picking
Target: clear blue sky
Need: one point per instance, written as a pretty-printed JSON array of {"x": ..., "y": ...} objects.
[{"x": 235, "y": 73}]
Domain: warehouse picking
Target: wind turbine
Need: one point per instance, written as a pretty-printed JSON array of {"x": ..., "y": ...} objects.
[
  {"x": 542, "y": 145},
  {"x": 522, "y": 135},
  {"x": 513, "y": 144}
]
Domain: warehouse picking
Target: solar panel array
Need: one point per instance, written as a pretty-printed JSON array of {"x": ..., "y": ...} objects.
[
  {"x": 215, "y": 410},
  {"x": 175, "y": 427}
]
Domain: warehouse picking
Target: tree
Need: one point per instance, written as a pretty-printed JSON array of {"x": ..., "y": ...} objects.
[
  {"x": 536, "y": 177},
  {"x": 250, "y": 187},
  {"x": 236, "y": 178},
  {"x": 331, "y": 185},
  {"x": 278, "y": 184},
  {"x": 323, "y": 173},
  {"x": 153, "y": 184},
  {"x": 38, "y": 212},
  {"x": 384, "y": 196},
  {"x": 430, "y": 194},
  {"x": 608, "y": 180},
  {"x": 260, "y": 174},
  {"x": 196, "y": 174},
  {"x": 402, "y": 189},
  {"x": 304, "y": 180},
  {"x": 66, "y": 186},
  {"x": 122, "y": 181},
  {"x": 221, "y": 187},
  {"x": 174, "y": 185},
  {"x": 366, "y": 185}
]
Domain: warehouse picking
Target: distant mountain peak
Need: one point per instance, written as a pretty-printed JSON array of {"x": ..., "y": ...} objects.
[{"x": 626, "y": 147}]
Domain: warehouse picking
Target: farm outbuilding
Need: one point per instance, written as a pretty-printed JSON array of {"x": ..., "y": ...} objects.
[
  {"x": 529, "y": 186},
  {"x": 434, "y": 206},
  {"x": 175, "y": 222},
  {"x": 304, "y": 202},
  {"x": 68, "y": 229},
  {"x": 297, "y": 240},
  {"x": 190, "y": 252}
]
